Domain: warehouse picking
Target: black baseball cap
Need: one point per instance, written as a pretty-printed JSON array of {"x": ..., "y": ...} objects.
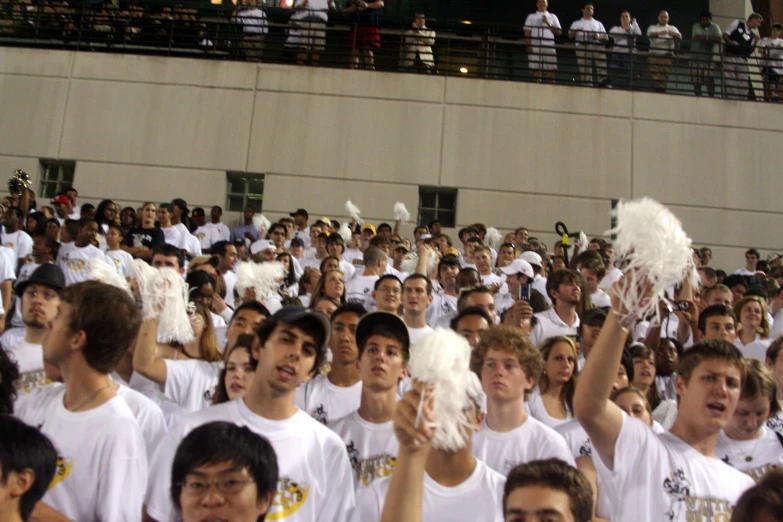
[
  {"x": 299, "y": 212},
  {"x": 48, "y": 274},
  {"x": 298, "y": 241},
  {"x": 293, "y": 314},
  {"x": 181, "y": 203},
  {"x": 198, "y": 211},
  {"x": 391, "y": 321}
]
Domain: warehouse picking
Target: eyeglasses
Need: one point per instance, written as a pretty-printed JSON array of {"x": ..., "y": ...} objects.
[
  {"x": 32, "y": 293},
  {"x": 198, "y": 487}
]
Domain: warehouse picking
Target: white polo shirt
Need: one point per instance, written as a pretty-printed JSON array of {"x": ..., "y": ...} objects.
[{"x": 549, "y": 325}]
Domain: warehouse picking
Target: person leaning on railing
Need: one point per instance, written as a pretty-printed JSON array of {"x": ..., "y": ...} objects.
[
  {"x": 624, "y": 36},
  {"x": 591, "y": 39},
  {"x": 417, "y": 46},
  {"x": 740, "y": 43},
  {"x": 662, "y": 45},
  {"x": 309, "y": 19},
  {"x": 773, "y": 62},
  {"x": 254, "y": 28},
  {"x": 705, "y": 33}
]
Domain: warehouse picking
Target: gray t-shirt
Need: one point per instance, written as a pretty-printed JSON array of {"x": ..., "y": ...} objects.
[{"x": 704, "y": 49}]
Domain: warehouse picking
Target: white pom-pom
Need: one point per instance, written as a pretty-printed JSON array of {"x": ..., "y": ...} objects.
[
  {"x": 583, "y": 244},
  {"x": 261, "y": 223},
  {"x": 440, "y": 360},
  {"x": 263, "y": 278},
  {"x": 166, "y": 297},
  {"x": 345, "y": 232},
  {"x": 401, "y": 213},
  {"x": 656, "y": 254},
  {"x": 492, "y": 238},
  {"x": 409, "y": 263},
  {"x": 106, "y": 273},
  {"x": 353, "y": 211}
]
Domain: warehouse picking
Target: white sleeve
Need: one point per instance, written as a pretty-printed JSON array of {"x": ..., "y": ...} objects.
[
  {"x": 601, "y": 28},
  {"x": 180, "y": 378},
  {"x": 536, "y": 333},
  {"x": 555, "y": 21},
  {"x": 152, "y": 424},
  {"x": 529, "y": 21},
  {"x": 25, "y": 245},
  {"x": 6, "y": 270},
  {"x": 635, "y": 447},
  {"x": 732, "y": 27},
  {"x": 676, "y": 31},
  {"x": 368, "y": 505},
  {"x": 123, "y": 479},
  {"x": 158, "y": 499},
  {"x": 339, "y": 496},
  {"x": 635, "y": 29}
]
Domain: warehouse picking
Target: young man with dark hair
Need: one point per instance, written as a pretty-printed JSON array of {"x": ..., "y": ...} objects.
[
  {"x": 674, "y": 475},
  {"x": 470, "y": 322},
  {"x": 387, "y": 294},
  {"x": 39, "y": 299},
  {"x": 510, "y": 366},
  {"x": 74, "y": 259},
  {"x": 547, "y": 490},
  {"x": 168, "y": 256},
  {"x": 359, "y": 289},
  {"x": 752, "y": 257},
  {"x": 315, "y": 473},
  {"x": 227, "y": 255},
  {"x": 481, "y": 297},
  {"x": 518, "y": 274},
  {"x": 240, "y": 463},
  {"x": 593, "y": 270},
  {"x": 740, "y": 43},
  {"x": 14, "y": 237},
  {"x": 335, "y": 394},
  {"x": 94, "y": 327},
  {"x": 28, "y": 462},
  {"x": 564, "y": 290},
  {"x": 588, "y": 330},
  {"x": 718, "y": 322},
  {"x": 416, "y": 298},
  {"x": 302, "y": 231},
  {"x": 368, "y": 433},
  {"x": 246, "y": 230},
  {"x": 220, "y": 230}
]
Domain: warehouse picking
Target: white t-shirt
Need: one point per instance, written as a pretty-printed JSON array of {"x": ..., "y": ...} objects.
[
  {"x": 8, "y": 268},
  {"x": 417, "y": 333},
  {"x": 148, "y": 416},
  {"x": 477, "y": 499},
  {"x": 172, "y": 236},
  {"x": 102, "y": 463},
  {"x": 539, "y": 284},
  {"x": 576, "y": 438},
  {"x": 372, "y": 448},
  {"x": 662, "y": 43},
  {"x": 442, "y": 305},
  {"x": 75, "y": 262},
  {"x": 29, "y": 357},
  {"x": 221, "y": 231},
  {"x": 206, "y": 236},
  {"x": 191, "y": 243},
  {"x": 12, "y": 336},
  {"x": 326, "y": 402},
  {"x": 549, "y": 325},
  {"x": 753, "y": 457},
  {"x": 315, "y": 481},
  {"x": 121, "y": 261},
  {"x": 535, "y": 406},
  {"x": 540, "y": 33},
  {"x": 231, "y": 280},
  {"x": 587, "y": 31},
  {"x": 660, "y": 477},
  {"x": 775, "y": 59},
  {"x": 756, "y": 349},
  {"x": 359, "y": 290},
  {"x": 20, "y": 242},
  {"x": 533, "y": 440},
  {"x": 600, "y": 299},
  {"x": 191, "y": 383},
  {"x": 492, "y": 279},
  {"x": 610, "y": 278}
]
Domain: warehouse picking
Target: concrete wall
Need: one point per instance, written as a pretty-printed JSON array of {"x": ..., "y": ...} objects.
[{"x": 154, "y": 128}]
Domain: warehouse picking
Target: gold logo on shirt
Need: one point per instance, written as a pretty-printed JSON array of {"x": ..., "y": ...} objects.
[
  {"x": 75, "y": 264},
  {"x": 289, "y": 498},
  {"x": 63, "y": 470},
  {"x": 374, "y": 468}
]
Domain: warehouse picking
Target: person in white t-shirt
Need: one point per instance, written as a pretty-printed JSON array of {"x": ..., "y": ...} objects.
[
  {"x": 302, "y": 231},
  {"x": 541, "y": 28},
  {"x": 593, "y": 271},
  {"x": 360, "y": 288},
  {"x": 387, "y": 294},
  {"x": 552, "y": 402},
  {"x": 430, "y": 484},
  {"x": 590, "y": 36},
  {"x": 39, "y": 299},
  {"x": 334, "y": 395},
  {"x": 662, "y": 46},
  {"x": 315, "y": 474},
  {"x": 675, "y": 475},
  {"x": 227, "y": 257},
  {"x": 482, "y": 256},
  {"x": 14, "y": 238},
  {"x": 28, "y": 462},
  {"x": 746, "y": 443},
  {"x": 170, "y": 232},
  {"x": 772, "y": 49},
  {"x": 519, "y": 278},
  {"x": 547, "y": 490},
  {"x": 7, "y": 277},
  {"x": 753, "y": 328},
  {"x": 368, "y": 433},
  {"x": 93, "y": 329},
  {"x": 510, "y": 366},
  {"x": 775, "y": 362},
  {"x": 444, "y": 298},
  {"x": 221, "y": 231},
  {"x": 562, "y": 319},
  {"x": 116, "y": 256},
  {"x": 205, "y": 233},
  {"x": 241, "y": 464},
  {"x": 416, "y": 297},
  {"x": 470, "y": 322},
  {"x": 74, "y": 259}
]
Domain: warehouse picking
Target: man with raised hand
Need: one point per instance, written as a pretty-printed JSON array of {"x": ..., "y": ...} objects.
[
  {"x": 672, "y": 476},
  {"x": 315, "y": 473}
]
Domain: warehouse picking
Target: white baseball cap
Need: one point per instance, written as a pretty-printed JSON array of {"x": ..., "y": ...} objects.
[
  {"x": 518, "y": 266},
  {"x": 531, "y": 257},
  {"x": 261, "y": 245}
]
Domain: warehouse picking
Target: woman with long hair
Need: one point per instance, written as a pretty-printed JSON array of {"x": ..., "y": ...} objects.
[
  {"x": 290, "y": 285},
  {"x": 753, "y": 334},
  {"x": 552, "y": 402},
  {"x": 36, "y": 224},
  {"x": 746, "y": 443},
  {"x": 331, "y": 284},
  {"x": 141, "y": 240},
  {"x": 105, "y": 215},
  {"x": 644, "y": 370},
  {"x": 236, "y": 376}
]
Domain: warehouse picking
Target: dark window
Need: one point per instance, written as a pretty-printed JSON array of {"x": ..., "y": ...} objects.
[
  {"x": 244, "y": 189},
  {"x": 438, "y": 203}
]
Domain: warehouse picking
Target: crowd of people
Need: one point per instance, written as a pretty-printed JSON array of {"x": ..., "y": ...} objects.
[
  {"x": 606, "y": 58},
  {"x": 296, "y": 403}
]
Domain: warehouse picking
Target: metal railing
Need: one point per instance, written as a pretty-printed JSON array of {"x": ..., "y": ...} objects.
[{"x": 283, "y": 35}]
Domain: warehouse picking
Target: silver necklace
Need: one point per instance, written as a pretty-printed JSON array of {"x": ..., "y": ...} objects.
[{"x": 91, "y": 397}]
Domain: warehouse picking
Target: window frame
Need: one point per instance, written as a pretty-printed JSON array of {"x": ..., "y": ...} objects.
[
  {"x": 248, "y": 197},
  {"x": 437, "y": 210},
  {"x": 61, "y": 183}
]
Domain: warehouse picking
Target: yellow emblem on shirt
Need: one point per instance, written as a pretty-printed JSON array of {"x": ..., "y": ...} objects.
[
  {"x": 289, "y": 498},
  {"x": 374, "y": 468},
  {"x": 75, "y": 264},
  {"x": 63, "y": 470}
]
